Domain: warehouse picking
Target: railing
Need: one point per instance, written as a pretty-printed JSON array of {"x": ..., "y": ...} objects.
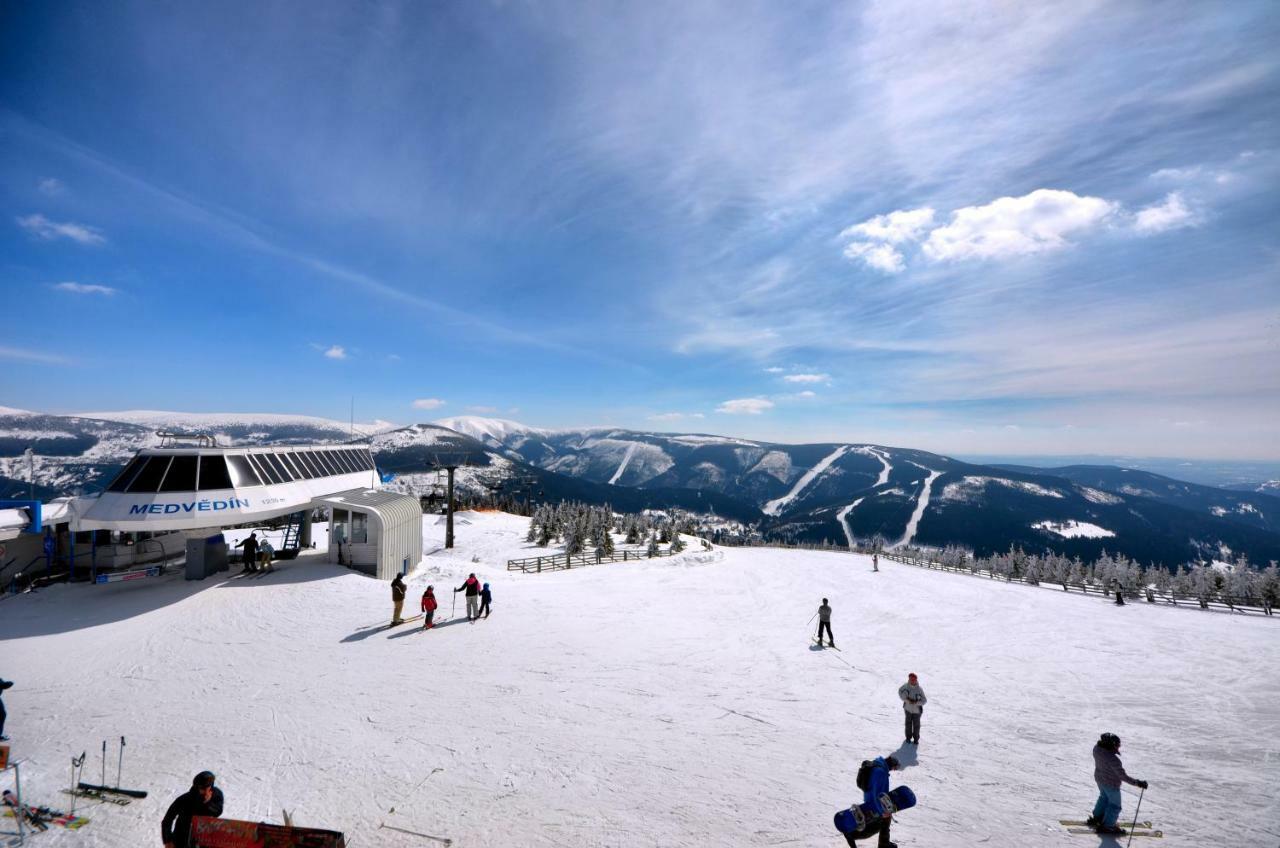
[
  {"x": 1218, "y": 600},
  {"x": 560, "y": 562}
]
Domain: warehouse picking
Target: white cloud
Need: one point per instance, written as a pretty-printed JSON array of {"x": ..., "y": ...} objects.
[
  {"x": 85, "y": 288},
  {"x": 51, "y": 187},
  {"x": 41, "y": 227},
  {"x": 745, "y": 406},
  {"x": 393, "y": 357},
  {"x": 428, "y": 403},
  {"x": 807, "y": 378},
  {"x": 774, "y": 370},
  {"x": 668, "y": 416},
  {"x": 1016, "y": 226},
  {"x": 882, "y": 257},
  {"x": 894, "y": 228},
  {"x": 1169, "y": 215},
  {"x": 336, "y": 352}
]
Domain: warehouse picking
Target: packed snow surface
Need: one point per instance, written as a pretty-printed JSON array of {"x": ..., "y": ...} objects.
[
  {"x": 213, "y": 420},
  {"x": 677, "y": 702},
  {"x": 969, "y": 487},
  {"x": 776, "y": 505},
  {"x": 922, "y": 503},
  {"x": 1074, "y": 529}
]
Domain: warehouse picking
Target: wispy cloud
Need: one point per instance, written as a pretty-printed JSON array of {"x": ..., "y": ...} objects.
[
  {"x": 335, "y": 352},
  {"x": 51, "y": 187},
  {"x": 882, "y": 257},
  {"x": 745, "y": 406},
  {"x": 43, "y": 228},
  {"x": 807, "y": 378},
  {"x": 26, "y": 355},
  {"x": 85, "y": 288},
  {"x": 428, "y": 403},
  {"x": 674, "y": 416},
  {"x": 1171, "y": 214},
  {"x": 482, "y": 410}
]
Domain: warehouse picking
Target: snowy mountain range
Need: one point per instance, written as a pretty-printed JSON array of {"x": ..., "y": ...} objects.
[{"x": 816, "y": 492}]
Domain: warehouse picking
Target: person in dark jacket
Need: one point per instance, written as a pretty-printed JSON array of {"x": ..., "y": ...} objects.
[
  {"x": 824, "y": 623},
  {"x": 202, "y": 799},
  {"x": 4, "y": 684},
  {"x": 877, "y": 785},
  {"x": 429, "y": 607},
  {"x": 1108, "y": 772},
  {"x": 486, "y": 597},
  {"x": 250, "y": 546},
  {"x": 397, "y": 598},
  {"x": 472, "y": 587}
]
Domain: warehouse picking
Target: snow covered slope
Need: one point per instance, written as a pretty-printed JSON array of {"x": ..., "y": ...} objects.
[{"x": 615, "y": 706}]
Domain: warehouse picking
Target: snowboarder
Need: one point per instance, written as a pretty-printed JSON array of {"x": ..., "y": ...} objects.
[
  {"x": 429, "y": 607},
  {"x": 202, "y": 799},
  {"x": 1108, "y": 771},
  {"x": 472, "y": 586},
  {"x": 4, "y": 684},
  {"x": 877, "y": 784},
  {"x": 397, "y": 598},
  {"x": 250, "y": 546},
  {"x": 824, "y": 623},
  {"x": 486, "y": 597},
  {"x": 913, "y": 701}
]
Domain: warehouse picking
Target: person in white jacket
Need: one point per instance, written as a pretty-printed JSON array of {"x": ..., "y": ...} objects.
[{"x": 913, "y": 701}]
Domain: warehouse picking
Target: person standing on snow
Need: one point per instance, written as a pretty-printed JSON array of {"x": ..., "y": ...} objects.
[
  {"x": 429, "y": 608},
  {"x": 1108, "y": 771},
  {"x": 485, "y": 598},
  {"x": 913, "y": 701},
  {"x": 824, "y": 623},
  {"x": 472, "y": 585},
  {"x": 250, "y": 546},
  {"x": 265, "y": 554},
  {"x": 878, "y": 785},
  {"x": 202, "y": 799},
  {"x": 397, "y": 598},
  {"x": 4, "y": 684}
]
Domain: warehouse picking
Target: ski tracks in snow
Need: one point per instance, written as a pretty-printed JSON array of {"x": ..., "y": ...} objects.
[
  {"x": 775, "y": 506},
  {"x": 921, "y": 504},
  {"x": 622, "y": 466},
  {"x": 842, "y": 515}
]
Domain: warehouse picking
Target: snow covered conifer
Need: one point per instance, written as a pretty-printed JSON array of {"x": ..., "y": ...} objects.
[{"x": 652, "y": 550}]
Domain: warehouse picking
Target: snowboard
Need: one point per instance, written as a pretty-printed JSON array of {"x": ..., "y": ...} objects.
[
  {"x": 1150, "y": 834},
  {"x": 859, "y": 818}
]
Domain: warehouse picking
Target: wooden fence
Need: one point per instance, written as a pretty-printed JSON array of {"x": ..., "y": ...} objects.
[
  {"x": 1219, "y": 601},
  {"x": 560, "y": 562}
]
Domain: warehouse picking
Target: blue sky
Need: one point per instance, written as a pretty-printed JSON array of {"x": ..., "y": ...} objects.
[{"x": 996, "y": 228}]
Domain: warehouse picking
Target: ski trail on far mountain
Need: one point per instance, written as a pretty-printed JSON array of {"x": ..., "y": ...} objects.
[
  {"x": 774, "y": 506},
  {"x": 921, "y": 504},
  {"x": 842, "y": 515},
  {"x": 884, "y": 461},
  {"x": 622, "y": 466}
]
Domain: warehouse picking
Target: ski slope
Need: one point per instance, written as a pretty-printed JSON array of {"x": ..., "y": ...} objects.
[
  {"x": 922, "y": 503},
  {"x": 885, "y": 467},
  {"x": 842, "y": 516},
  {"x": 776, "y": 505},
  {"x": 677, "y": 702},
  {"x": 622, "y": 466}
]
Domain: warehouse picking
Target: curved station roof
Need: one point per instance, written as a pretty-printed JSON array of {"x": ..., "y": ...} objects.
[{"x": 190, "y": 488}]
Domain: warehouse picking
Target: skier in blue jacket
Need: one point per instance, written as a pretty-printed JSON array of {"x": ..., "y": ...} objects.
[{"x": 877, "y": 785}]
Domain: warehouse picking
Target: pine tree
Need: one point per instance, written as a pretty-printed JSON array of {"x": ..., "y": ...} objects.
[{"x": 652, "y": 550}]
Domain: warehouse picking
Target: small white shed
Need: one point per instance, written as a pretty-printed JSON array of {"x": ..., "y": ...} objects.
[{"x": 379, "y": 533}]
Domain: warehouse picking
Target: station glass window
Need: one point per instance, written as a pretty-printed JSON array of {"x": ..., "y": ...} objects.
[
  {"x": 213, "y": 473},
  {"x": 341, "y": 525},
  {"x": 242, "y": 473},
  {"x": 339, "y": 458},
  {"x": 291, "y": 465},
  {"x": 126, "y": 476},
  {"x": 182, "y": 474},
  {"x": 285, "y": 476},
  {"x": 265, "y": 470},
  {"x": 308, "y": 465},
  {"x": 321, "y": 459},
  {"x": 148, "y": 479},
  {"x": 359, "y": 527}
]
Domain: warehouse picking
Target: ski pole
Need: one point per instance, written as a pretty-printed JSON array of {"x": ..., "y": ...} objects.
[
  {"x": 120, "y": 762},
  {"x": 73, "y": 789},
  {"x": 1135, "y": 815},
  {"x": 104, "y": 763}
]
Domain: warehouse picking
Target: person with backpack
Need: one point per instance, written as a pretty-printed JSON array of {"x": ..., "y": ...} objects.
[
  {"x": 486, "y": 597},
  {"x": 4, "y": 684},
  {"x": 202, "y": 799},
  {"x": 472, "y": 587},
  {"x": 1108, "y": 772},
  {"x": 873, "y": 780},
  {"x": 913, "y": 701},
  {"x": 398, "y": 591},
  {"x": 250, "y": 546},
  {"x": 429, "y": 608},
  {"x": 824, "y": 623}
]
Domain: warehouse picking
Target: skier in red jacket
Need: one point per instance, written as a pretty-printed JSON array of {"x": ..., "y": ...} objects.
[{"x": 429, "y": 607}]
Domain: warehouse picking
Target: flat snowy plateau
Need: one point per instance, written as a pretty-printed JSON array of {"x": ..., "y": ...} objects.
[{"x": 678, "y": 702}]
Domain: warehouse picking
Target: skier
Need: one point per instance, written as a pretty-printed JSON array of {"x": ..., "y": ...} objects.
[
  {"x": 472, "y": 585},
  {"x": 429, "y": 607},
  {"x": 1115, "y": 587},
  {"x": 875, "y": 562},
  {"x": 485, "y": 598},
  {"x": 878, "y": 785},
  {"x": 824, "y": 622},
  {"x": 202, "y": 799},
  {"x": 913, "y": 701},
  {"x": 397, "y": 598},
  {"x": 1108, "y": 771},
  {"x": 265, "y": 554},
  {"x": 250, "y": 546},
  {"x": 4, "y": 684}
]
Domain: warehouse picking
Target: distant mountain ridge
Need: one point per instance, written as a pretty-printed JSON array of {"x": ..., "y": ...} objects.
[{"x": 838, "y": 492}]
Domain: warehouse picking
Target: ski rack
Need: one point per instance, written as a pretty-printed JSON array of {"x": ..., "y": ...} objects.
[{"x": 19, "y": 838}]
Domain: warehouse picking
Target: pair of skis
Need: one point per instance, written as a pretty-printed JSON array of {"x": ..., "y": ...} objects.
[
  {"x": 41, "y": 817},
  {"x": 818, "y": 642},
  {"x": 1141, "y": 829}
]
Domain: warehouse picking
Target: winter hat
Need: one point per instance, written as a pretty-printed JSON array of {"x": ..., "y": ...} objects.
[
  {"x": 486, "y": 585},
  {"x": 912, "y": 677},
  {"x": 891, "y": 761},
  {"x": 203, "y": 780},
  {"x": 1109, "y": 741}
]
